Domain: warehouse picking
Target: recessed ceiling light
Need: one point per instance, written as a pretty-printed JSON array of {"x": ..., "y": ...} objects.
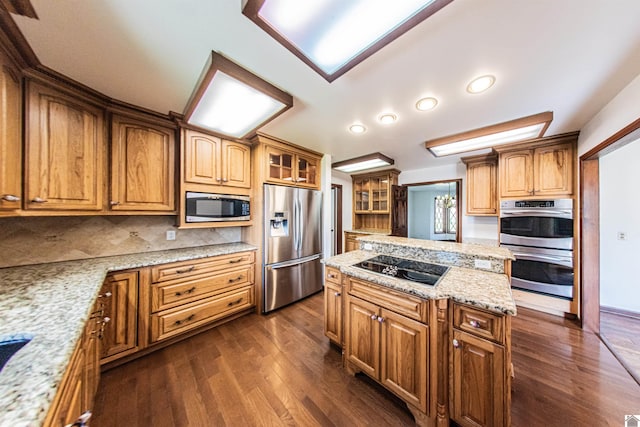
[
  {"x": 357, "y": 128},
  {"x": 426, "y": 104},
  {"x": 480, "y": 84},
  {"x": 387, "y": 118}
]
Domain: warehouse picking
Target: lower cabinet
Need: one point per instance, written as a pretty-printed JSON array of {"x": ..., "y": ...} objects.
[
  {"x": 333, "y": 307},
  {"x": 390, "y": 348},
  {"x": 350, "y": 242},
  {"x": 119, "y": 295}
]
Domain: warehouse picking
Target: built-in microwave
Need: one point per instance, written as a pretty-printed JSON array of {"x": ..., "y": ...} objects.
[{"x": 207, "y": 207}]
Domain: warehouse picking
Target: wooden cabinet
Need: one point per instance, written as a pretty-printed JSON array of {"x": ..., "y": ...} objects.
[
  {"x": 190, "y": 294},
  {"x": 333, "y": 315},
  {"x": 372, "y": 199},
  {"x": 10, "y": 134},
  {"x": 212, "y": 161},
  {"x": 545, "y": 167},
  {"x": 389, "y": 347},
  {"x": 482, "y": 185},
  {"x": 119, "y": 296},
  {"x": 480, "y": 386},
  {"x": 142, "y": 166},
  {"x": 292, "y": 167},
  {"x": 350, "y": 241},
  {"x": 64, "y": 151}
]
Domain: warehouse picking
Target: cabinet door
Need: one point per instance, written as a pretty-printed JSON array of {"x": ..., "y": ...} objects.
[
  {"x": 64, "y": 151},
  {"x": 478, "y": 381},
  {"x": 482, "y": 197},
  {"x": 379, "y": 191},
  {"x": 363, "y": 336},
  {"x": 142, "y": 170},
  {"x": 361, "y": 188},
  {"x": 516, "y": 174},
  {"x": 202, "y": 158},
  {"x": 10, "y": 134},
  {"x": 68, "y": 403},
  {"x": 120, "y": 332},
  {"x": 236, "y": 164},
  {"x": 553, "y": 170},
  {"x": 279, "y": 166},
  {"x": 92, "y": 358},
  {"x": 399, "y": 211},
  {"x": 404, "y": 358},
  {"x": 333, "y": 312},
  {"x": 307, "y": 171}
]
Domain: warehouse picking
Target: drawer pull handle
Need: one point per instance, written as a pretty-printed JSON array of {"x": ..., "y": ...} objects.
[
  {"x": 39, "y": 200},
  {"x": 236, "y": 279},
  {"x": 105, "y": 295},
  {"x": 474, "y": 323},
  {"x": 337, "y": 294},
  {"x": 187, "y": 292},
  {"x": 188, "y": 319},
  {"x": 186, "y": 270},
  {"x": 235, "y": 261},
  {"x": 114, "y": 203},
  {"x": 10, "y": 198},
  {"x": 456, "y": 343},
  {"x": 238, "y": 301}
]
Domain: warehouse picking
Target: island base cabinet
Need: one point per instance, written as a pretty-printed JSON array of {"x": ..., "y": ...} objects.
[
  {"x": 478, "y": 390},
  {"x": 333, "y": 312}
]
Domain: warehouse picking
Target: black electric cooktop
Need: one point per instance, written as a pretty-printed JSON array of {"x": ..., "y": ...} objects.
[{"x": 415, "y": 271}]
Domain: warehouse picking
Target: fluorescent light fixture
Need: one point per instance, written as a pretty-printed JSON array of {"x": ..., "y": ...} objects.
[
  {"x": 517, "y": 130},
  {"x": 426, "y": 104},
  {"x": 357, "y": 128},
  {"x": 231, "y": 100},
  {"x": 480, "y": 84},
  {"x": 387, "y": 118},
  {"x": 332, "y": 36},
  {"x": 370, "y": 161}
]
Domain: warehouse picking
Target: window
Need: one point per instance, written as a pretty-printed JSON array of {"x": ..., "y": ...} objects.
[{"x": 445, "y": 216}]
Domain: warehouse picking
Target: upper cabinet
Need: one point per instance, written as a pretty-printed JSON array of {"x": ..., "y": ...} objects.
[
  {"x": 64, "y": 151},
  {"x": 209, "y": 160},
  {"x": 482, "y": 184},
  {"x": 541, "y": 168},
  {"x": 10, "y": 134},
  {"x": 288, "y": 164},
  {"x": 372, "y": 200},
  {"x": 142, "y": 166}
]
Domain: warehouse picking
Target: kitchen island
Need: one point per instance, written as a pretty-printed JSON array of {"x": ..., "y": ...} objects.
[{"x": 444, "y": 349}]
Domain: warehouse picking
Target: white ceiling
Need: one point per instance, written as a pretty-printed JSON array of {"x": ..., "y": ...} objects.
[{"x": 567, "y": 56}]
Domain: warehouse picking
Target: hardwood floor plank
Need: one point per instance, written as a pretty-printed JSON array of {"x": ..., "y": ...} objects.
[{"x": 279, "y": 370}]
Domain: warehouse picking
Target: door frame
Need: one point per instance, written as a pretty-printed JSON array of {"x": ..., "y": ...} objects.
[
  {"x": 590, "y": 222},
  {"x": 337, "y": 210},
  {"x": 458, "y": 182}
]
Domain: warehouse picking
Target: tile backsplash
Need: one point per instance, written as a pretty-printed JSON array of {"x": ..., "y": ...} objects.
[{"x": 33, "y": 240}]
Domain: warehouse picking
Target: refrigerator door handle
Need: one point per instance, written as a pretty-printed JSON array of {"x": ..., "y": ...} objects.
[
  {"x": 300, "y": 225},
  {"x": 294, "y": 262}
]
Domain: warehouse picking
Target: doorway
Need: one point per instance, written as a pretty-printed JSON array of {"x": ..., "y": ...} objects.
[
  {"x": 609, "y": 300},
  {"x": 336, "y": 219},
  {"x": 433, "y": 210}
]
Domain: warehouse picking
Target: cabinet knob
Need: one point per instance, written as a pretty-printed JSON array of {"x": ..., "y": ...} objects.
[
  {"x": 456, "y": 343},
  {"x": 331, "y": 276},
  {"x": 380, "y": 319},
  {"x": 114, "y": 203},
  {"x": 337, "y": 294},
  {"x": 225, "y": 180},
  {"x": 10, "y": 198},
  {"x": 105, "y": 295},
  {"x": 474, "y": 323},
  {"x": 39, "y": 200},
  {"x": 219, "y": 179},
  {"x": 81, "y": 421},
  {"x": 374, "y": 317},
  {"x": 106, "y": 319}
]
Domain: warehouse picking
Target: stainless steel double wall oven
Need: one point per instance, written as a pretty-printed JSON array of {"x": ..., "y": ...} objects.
[{"x": 540, "y": 234}]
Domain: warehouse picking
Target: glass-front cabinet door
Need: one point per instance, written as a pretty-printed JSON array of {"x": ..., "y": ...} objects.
[
  {"x": 280, "y": 168},
  {"x": 361, "y": 192},
  {"x": 380, "y": 194},
  {"x": 307, "y": 171}
]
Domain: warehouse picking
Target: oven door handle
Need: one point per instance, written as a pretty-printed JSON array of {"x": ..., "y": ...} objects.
[
  {"x": 535, "y": 257},
  {"x": 562, "y": 214}
]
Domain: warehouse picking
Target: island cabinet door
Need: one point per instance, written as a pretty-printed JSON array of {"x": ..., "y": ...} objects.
[
  {"x": 404, "y": 358},
  {"x": 363, "y": 336},
  {"x": 333, "y": 312},
  {"x": 478, "y": 381}
]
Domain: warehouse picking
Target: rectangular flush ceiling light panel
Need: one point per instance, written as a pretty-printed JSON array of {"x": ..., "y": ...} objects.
[
  {"x": 333, "y": 36},
  {"x": 231, "y": 100},
  {"x": 518, "y": 130},
  {"x": 369, "y": 161}
]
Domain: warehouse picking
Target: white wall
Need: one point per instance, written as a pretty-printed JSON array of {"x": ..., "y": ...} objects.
[
  {"x": 420, "y": 214},
  {"x": 619, "y": 207},
  {"x": 344, "y": 179},
  {"x": 327, "y": 208},
  {"x": 473, "y": 227}
]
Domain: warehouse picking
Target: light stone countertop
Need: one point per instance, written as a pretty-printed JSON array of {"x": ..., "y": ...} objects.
[
  {"x": 483, "y": 289},
  {"x": 52, "y": 303},
  {"x": 366, "y": 231}
]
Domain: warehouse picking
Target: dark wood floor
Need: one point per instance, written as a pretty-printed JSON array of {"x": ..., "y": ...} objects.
[
  {"x": 280, "y": 370},
  {"x": 622, "y": 333}
]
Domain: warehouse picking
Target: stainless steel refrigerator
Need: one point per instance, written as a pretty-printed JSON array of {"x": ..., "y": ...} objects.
[{"x": 292, "y": 266}]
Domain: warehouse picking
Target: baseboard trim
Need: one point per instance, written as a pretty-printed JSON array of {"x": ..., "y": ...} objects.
[{"x": 620, "y": 312}]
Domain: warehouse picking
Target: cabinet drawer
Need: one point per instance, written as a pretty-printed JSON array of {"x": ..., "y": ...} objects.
[
  {"x": 332, "y": 274},
  {"x": 399, "y": 302},
  {"x": 177, "y": 321},
  {"x": 175, "y": 270},
  {"x": 478, "y": 322},
  {"x": 173, "y": 293}
]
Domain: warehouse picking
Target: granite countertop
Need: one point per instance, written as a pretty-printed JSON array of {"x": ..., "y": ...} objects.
[
  {"x": 51, "y": 303},
  {"x": 483, "y": 289},
  {"x": 366, "y": 231}
]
